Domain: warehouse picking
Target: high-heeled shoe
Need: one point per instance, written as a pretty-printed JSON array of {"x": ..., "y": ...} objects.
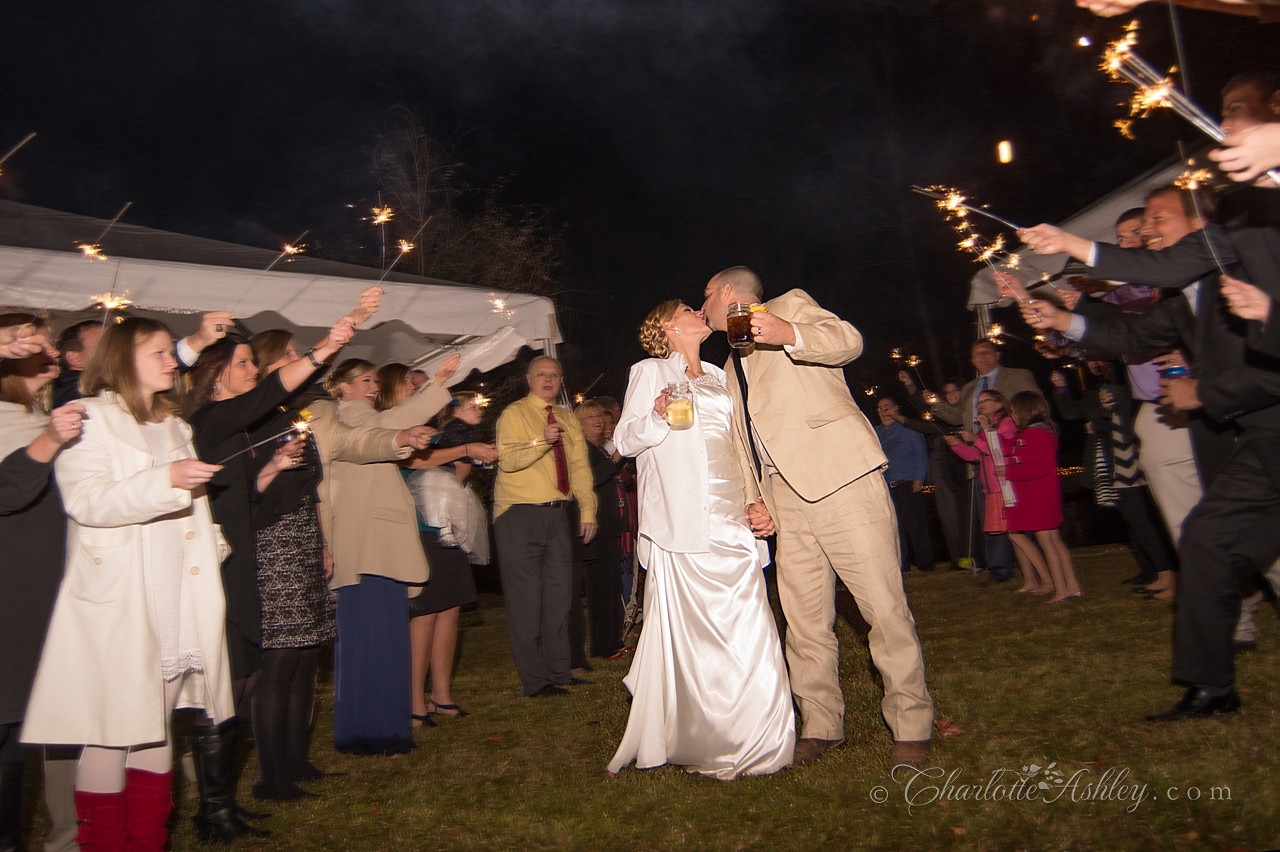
[
  {"x": 435, "y": 709},
  {"x": 425, "y": 719}
]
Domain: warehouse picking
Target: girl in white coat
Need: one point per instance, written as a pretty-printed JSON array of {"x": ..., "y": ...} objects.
[{"x": 137, "y": 628}]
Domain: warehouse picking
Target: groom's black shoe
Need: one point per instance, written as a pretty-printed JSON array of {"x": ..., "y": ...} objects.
[
  {"x": 808, "y": 750},
  {"x": 1195, "y": 702}
]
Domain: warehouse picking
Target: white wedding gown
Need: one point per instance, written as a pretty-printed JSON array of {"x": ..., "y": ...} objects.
[{"x": 709, "y": 685}]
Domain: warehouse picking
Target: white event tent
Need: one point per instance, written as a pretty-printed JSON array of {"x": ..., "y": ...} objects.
[{"x": 176, "y": 277}]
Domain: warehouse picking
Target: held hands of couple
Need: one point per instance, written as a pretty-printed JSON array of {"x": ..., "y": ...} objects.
[{"x": 760, "y": 520}]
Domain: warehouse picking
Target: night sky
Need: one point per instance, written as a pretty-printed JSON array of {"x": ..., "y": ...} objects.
[{"x": 671, "y": 139}]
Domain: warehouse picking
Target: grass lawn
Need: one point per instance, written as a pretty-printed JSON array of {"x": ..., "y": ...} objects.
[{"x": 1030, "y": 685}]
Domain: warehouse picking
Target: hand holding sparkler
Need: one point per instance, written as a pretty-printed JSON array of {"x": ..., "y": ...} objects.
[
  {"x": 1245, "y": 300},
  {"x": 190, "y": 474},
  {"x": 417, "y": 438},
  {"x": 1249, "y": 152},
  {"x": 1045, "y": 316},
  {"x": 213, "y": 327},
  {"x": 370, "y": 301},
  {"x": 448, "y": 368},
  {"x": 23, "y": 341},
  {"x": 290, "y": 453},
  {"x": 1049, "y": 239}
]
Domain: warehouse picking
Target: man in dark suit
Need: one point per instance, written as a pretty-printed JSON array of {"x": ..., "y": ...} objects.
[{"x": 1235, "y": 530}]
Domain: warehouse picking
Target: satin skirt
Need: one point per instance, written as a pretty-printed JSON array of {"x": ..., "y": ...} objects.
[{"x": 709, "y": 684}]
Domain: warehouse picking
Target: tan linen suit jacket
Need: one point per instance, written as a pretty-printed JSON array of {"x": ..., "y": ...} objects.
[
  {"x": 336, "y": 442},
  {"x": 800, "y": 404},
  {"x": 1009, "y": 380},
  {"x": 375, "y": 521}
]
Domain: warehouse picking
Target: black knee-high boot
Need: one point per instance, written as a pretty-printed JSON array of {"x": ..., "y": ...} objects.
[
  {"x": 297, "y": 729},
  {"x": 213, "y": 750}
]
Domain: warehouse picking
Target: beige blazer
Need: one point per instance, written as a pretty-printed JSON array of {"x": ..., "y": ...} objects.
[
  {"x": 336, "y": 442},
  {"x": 375, "y": 521},
  {"x": 99, "y": 678},
  {"x": 800, "y": 405}
]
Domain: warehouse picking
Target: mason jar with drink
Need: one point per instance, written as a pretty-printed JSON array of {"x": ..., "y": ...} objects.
[
  {"x": 738, "y": 325},
  {"x": 679, "y": 406}
]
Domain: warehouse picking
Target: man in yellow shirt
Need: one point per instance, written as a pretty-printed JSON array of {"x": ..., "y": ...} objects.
[{"x": 542, "y": 466}]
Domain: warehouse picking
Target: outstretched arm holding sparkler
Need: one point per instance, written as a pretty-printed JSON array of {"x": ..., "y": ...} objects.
[{"x": 21, "y": 341}]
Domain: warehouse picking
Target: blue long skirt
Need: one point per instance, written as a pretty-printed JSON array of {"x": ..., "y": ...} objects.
[{"x": 372, "y": 702}]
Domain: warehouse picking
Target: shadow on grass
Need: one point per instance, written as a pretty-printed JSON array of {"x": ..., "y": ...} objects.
[{"x": 1051, "y": 694}]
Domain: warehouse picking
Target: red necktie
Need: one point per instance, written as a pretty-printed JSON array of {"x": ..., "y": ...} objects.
[{"x": 562, "y": 461}]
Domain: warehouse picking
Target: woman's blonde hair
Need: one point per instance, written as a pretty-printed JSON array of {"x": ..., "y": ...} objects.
[
  {"x": 391, "y": 377},
  {"x": 450, "y": 411},
  {"x": 588, "y": 408},
  {"x": 653, "y": 337},
  {"x": 344, "y": 373},
  {"x": 13, "y": 387},
  {"x": 114, "y": 368}
]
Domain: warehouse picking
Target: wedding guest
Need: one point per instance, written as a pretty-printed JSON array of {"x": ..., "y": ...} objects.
[
  {"x": 998, "y": 495},
  {"x": 709, "y": 686},
  {"x": 992, "y": 375},
  {"x": 434, "y": 611},
  {"x": 378, "y": 565},
  {"x": 20, "y": 340},
  {"x": 33, "y": 528},
  {"x": 77, "y": 343},
  {"x": 906, "y": 472},
  {"x": 1032, "y": 466},
  {"x": 542, "y": 466},
  {"x": 601, "y": 557},
  {"x": 139, "y": 621},
  {"x": 232, "y": 405}
]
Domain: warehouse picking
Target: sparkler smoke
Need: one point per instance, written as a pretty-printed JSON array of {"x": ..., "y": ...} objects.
[{"x": 93, "y": 250}]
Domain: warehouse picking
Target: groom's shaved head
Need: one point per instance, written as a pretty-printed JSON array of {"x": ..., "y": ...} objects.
[{"x": 743, "y": 280}]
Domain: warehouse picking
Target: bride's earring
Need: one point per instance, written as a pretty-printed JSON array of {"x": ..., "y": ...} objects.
[{"x": 677, "y": 331}]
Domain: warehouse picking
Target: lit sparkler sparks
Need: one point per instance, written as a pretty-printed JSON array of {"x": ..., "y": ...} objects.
[
  {"x": 382, "y": 215},
  {"x": 895, "y": 354},
  {"x": 912, "y": 361},
  {"x": 289, "y": 250},
  {"x": 91, "y": 251},
  {"x": 1125, "y": 126},
  {"x": 955, "y": 208},
  {"x": 111, "y": 302},
  {"x": 482, "y": 401},
  {"x": 996, "y": 334},
  {"x": 579, "y": 398},
  {"x": 1155, "y": 90},
  {"x": 1193, "y": 179}
]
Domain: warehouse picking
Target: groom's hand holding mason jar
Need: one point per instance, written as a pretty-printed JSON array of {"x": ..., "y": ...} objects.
[{"x": 771, "y": 330}]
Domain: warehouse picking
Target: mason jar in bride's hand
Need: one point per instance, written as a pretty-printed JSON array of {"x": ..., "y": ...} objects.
[{"x": 679, "y": 412}]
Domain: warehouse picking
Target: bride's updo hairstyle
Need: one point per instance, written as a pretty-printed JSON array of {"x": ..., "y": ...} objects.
[{"x": 653, "y": 337}]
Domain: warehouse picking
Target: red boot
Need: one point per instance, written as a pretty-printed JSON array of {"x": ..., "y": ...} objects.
[
  {"x": 150, "y": 801},
  {"x": 102, "y": 821}
]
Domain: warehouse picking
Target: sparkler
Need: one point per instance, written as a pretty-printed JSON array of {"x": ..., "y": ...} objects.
[
  {"x": 111, "y": 302},
  {"x": 382, "y": 215},
  {"x": 93, "y": 250},
  {"x": 1155, "y": 90},
  {"x": 300, "y": 427},
  {"x": 14, "y": 149},
  {"x": 995, "y": 334},
  {"x": 289, "y": 250},
  {"x": 406, "y": 246},
  {"x": 952, "y": 203},
  {"x": 1193, "y": 180}
]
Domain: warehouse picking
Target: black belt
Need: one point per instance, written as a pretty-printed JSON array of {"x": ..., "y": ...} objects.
[{"x": 554, "y": 504}]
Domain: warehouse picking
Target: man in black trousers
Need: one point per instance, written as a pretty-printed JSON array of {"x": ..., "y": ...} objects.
[{"x": 1234, "y": 532}]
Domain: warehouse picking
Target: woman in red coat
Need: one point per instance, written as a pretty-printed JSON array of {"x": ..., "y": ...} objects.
[{"x": 1032, "y": 467}]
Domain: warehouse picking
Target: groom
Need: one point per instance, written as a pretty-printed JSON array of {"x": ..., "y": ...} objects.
[{"x": 817, "y": 462}]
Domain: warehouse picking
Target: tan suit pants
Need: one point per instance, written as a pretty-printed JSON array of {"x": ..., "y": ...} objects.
[
  {"x": 1169, "y": 464},
  {"x": 852, "y": 533}
]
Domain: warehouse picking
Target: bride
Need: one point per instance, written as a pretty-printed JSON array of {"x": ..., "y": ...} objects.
[{"x": 710, "y": 690}]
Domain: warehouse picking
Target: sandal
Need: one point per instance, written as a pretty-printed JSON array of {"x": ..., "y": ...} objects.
[
  {"x": 436, "y": 708},
  {"x": 425, "y": 719}
]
